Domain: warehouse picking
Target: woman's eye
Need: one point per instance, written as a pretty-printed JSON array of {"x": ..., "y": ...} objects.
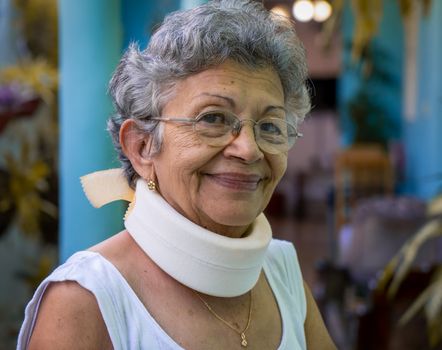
[
  {"x": 270, "y": 128},
  {"x": 213, "y": 118}
]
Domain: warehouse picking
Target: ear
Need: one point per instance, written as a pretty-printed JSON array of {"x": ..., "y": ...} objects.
[{"x": 136, "y": 145}]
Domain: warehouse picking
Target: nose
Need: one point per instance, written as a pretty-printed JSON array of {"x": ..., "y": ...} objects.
[{"x": 244, "y": 145}]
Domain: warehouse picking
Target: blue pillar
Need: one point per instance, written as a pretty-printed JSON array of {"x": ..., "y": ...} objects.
[
  {"x": 90, "y": 46},
  {"x": 423, "y": 139},
  {"x": 141, "y": 17}
]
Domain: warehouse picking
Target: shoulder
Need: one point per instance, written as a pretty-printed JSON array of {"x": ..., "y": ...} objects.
[
  {"x": 67, "y": 306},
  {"x": 69, "y": 317},
  {"x": 316, "y": 333},
  {"x": 282, "y": 259},
  {"x": 282, "y": 247},
  {"x": 83, "y": 296},
  {"x": 121, "y": 250},
  {"x": 283, "y": 270}
]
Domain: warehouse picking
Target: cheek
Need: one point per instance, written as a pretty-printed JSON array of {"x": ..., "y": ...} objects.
[
  {"x": 183, "y": 154},
  {"x": 279, "y": 166},
  {"x": 176, "y": 145},
  {"x": 181, "y": 140}
]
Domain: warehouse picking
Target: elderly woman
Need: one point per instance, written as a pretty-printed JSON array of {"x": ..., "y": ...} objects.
[{"x": 205, "y": 118}]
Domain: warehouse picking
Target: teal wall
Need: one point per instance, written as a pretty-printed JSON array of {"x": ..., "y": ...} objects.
[
  {"x": 92, "y": 37},
  {"x": 422, "y": 136},
  {"x": 141, "y": 17},
  {"x": 383, "y": 89}
]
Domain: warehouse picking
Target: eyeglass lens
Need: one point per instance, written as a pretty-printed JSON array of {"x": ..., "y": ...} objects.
[{"x": 218, "y": 128}]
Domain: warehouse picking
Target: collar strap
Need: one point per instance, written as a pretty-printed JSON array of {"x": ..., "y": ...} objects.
[{"x": 106, "y": 186}]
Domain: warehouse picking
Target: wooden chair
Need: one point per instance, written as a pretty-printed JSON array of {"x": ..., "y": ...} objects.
[
  {"x": 378, "y": 327},
  {"x": 360, "y": 172}
]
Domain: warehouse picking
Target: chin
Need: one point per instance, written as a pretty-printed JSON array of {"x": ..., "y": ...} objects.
[
  {"x": 237, "y": 214},
  {"x": 236, "y": 218}
]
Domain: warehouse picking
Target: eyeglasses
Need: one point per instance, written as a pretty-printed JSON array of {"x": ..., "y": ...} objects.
[{"x": 219, "y": 128}]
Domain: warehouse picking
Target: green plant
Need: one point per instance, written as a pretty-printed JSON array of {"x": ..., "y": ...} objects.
[
  {"x": 430, "y": 300},
  {"x": 372, "y": 120}
]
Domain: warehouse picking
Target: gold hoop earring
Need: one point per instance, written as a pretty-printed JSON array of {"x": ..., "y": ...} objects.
[{"x": 151, "y": 185}]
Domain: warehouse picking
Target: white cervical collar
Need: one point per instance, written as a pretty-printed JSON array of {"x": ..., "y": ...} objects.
[{"x": 200, "y": 259}]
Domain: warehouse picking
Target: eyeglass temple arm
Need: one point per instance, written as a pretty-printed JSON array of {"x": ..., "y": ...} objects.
[{"x": 172, "y": 119}]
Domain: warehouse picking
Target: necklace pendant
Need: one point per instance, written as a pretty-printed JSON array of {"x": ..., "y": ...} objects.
[{"x": 244, "y": 340}]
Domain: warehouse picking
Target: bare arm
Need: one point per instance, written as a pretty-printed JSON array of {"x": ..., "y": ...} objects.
[
  {"x": 316, "y": 333},
  {"x": 69, "y": 318}
]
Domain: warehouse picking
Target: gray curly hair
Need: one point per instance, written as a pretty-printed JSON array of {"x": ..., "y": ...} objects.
[{"x": 194, "y": 40}]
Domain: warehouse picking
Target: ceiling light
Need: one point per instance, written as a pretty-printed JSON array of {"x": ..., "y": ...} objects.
[
  {"x": 322, "y": 11},
  {"x": 303, "y": 10}
]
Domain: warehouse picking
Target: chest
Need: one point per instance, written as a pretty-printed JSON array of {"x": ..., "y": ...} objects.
[{"x": 186, "y": 320}]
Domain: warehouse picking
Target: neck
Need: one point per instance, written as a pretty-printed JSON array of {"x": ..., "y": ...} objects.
[
  {"x": 204, "y": 221},
  {"x": 200, "y": 259},
  {"x": 227, "y": 231}
]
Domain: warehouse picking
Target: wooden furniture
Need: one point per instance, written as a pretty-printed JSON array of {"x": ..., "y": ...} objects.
[
  {"x": 360, "y": 172},
  {"x": 378, "y": 326}
]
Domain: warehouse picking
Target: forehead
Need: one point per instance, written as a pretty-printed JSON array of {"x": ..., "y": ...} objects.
[{"x": 235, "y": 81}]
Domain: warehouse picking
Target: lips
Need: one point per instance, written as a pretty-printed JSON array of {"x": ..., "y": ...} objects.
[{"x": 237, "y": 181}]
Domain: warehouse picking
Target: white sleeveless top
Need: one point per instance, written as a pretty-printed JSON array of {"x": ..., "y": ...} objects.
[{"x": 130, "y": 325}]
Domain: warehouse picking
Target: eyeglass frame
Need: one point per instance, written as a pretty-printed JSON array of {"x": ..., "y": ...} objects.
[{"x": 235, "y": 129}]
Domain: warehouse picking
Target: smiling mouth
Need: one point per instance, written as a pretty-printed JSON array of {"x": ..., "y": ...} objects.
[{"x": 239, "y": 182}]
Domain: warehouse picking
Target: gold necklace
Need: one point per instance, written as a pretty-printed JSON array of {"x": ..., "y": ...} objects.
[{"x": 242, "y": 333}]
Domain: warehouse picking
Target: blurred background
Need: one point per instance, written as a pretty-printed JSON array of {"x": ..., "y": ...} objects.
[{"x": 361, "y": 199}]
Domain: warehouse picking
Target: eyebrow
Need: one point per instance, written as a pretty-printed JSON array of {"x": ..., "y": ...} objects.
[
  {"x": 232, "y": 103},
  {"x": 229, "y": 100},
  {"x": 271, "y": 108}
]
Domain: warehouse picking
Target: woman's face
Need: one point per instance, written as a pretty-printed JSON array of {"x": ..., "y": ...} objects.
[{"x": 220, "y": 188}]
